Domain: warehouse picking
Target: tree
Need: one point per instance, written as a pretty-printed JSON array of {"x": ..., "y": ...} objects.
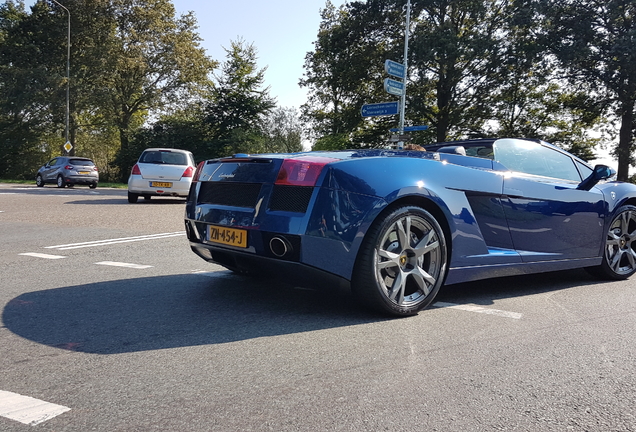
[
  {"x": 531, "y": 99},
  {"x": 456, "y": 50},
  {"x": 28, "y": 79},
  {"x": 239, "y": 105},
  {"x": 283, "y": 131},
  {"x": 154, "y": 60},
  {"x": 346, "y": 71},
  {"x": 453, "y": 58},
  {"x": 594, "y": 40}
]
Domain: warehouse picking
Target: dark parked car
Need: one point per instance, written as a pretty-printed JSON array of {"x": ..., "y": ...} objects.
[
  {"x": 394, "y": 226},
  {"x": 68, "y": 171}
]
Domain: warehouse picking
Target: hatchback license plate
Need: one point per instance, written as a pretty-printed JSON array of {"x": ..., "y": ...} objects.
[
  {"x": 84, "y": 172},
  {"x": 161, "y": 184},
  {"x": 228, "y": 236}
]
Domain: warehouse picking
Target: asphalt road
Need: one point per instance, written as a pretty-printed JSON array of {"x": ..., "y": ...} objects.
[{"x": 109, "y": 318}]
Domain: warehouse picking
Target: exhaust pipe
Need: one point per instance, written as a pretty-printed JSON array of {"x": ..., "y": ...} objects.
[{"x": 279, "y": 246}]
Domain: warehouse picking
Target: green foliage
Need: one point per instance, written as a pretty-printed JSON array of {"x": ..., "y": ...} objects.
[
  {"x": 282, "y": 131},
  {"x": 238, "y": 104},
  {"x": 476, "y": 68},
  {"x": 332, "y": 142},
  {"x": 593, "y": 41},
  {"x": 129, "y": 59}
]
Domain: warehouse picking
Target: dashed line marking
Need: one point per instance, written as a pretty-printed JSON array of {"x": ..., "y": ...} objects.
[
  {"x": 478, "y": 309},
  {"x": 121, "y": 264},
  {"x": 28, "y": 410},
  {"x": 41, "y": 255},
  {"x": 115, "y": 241}
]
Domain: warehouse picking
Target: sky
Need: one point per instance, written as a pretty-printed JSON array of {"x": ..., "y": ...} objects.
[{"x": 282, "y": 31}]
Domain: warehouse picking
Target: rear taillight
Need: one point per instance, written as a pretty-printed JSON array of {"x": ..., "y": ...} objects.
[
  {"x": 188, "y": 172},
  {"x": 197, "y": 173},
  {"x": 95, "y": 168},
  {"x": 302, "y": 172},
  {"x": 69, "y": 167},
  {"x": 135, "y": 170}
]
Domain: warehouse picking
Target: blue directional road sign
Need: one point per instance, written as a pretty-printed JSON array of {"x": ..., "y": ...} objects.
[
  {"x": 410, "y": 128},
  {"x": 380, "y": 109},
  {"x": 393, "y": 87},
  {"x": 395, "y": 69}
]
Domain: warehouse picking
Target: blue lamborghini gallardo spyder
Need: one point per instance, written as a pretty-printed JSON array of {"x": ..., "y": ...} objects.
[{"x": 393, "y": 226}]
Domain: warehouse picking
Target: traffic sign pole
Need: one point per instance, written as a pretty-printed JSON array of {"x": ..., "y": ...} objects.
[{"x": 400, "y": 144}]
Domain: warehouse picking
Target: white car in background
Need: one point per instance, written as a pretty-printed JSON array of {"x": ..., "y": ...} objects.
[{"x": 161, "y": 172}]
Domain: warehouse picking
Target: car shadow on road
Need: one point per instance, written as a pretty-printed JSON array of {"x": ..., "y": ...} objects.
[
  {"x": 174, "y": 311},
  {"x": 165, "y": 312},
  {"x": 486, "y": 292}
]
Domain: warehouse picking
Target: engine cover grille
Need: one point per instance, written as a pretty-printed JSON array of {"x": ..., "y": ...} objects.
[
  {"x": 229, "y": 194},
  {"x": 290, "y": 198}
]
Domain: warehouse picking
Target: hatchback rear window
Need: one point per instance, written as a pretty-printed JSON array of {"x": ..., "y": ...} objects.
[
  {"x": 81, "y": 162},
  {"x": 164, "y": 157}
]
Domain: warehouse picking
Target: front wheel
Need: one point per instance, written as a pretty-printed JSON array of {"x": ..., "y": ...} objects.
[
  {"x": 39, "y": 181},
  {"x": 619, "y": 255},
  {"x": 402, "y": 262}
]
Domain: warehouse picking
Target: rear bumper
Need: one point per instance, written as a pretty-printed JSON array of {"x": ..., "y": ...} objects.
[
  {"x": 141, "y": 186},
  {"x": 84, "y": 180}
]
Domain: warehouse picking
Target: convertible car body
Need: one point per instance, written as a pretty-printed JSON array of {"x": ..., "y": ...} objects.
[{"x": 394, "y": 225}]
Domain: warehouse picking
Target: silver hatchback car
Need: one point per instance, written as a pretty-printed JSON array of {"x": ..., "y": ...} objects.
[
  {"x": 68, "y": 171},
  {"x": 161, "y": 172}
]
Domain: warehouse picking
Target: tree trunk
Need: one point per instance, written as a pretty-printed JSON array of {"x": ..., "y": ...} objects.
[{"x": 623, "y": 151}]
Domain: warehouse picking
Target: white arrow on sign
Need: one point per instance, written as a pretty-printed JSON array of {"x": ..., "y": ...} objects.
[{"x": 395, "y": 69}]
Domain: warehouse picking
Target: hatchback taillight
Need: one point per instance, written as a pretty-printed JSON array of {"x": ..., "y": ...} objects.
[
  {"x": 197, "y": 173},
  {"x": 302, "y": 172},
  {"x": 69, "y": 167},
  {"x": 188, "y": 172},
  {"x": 135, "y": 170}
]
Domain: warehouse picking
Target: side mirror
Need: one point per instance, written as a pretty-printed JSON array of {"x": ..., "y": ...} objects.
[{"x": 601, "y": 172}]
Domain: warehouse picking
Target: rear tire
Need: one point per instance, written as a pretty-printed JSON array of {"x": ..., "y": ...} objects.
[
  {"x": 619, "y": 253},
  {"x": 132, "y": 197},
  {"x": 92, "y": 185},
  {"x": 402, "y": 262},
  {"x": 60, "y": 181},
  {"x": 147, "y": 197}
]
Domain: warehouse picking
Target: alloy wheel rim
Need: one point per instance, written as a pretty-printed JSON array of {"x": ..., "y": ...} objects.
[
  {"x": 619, "y": 251},
  {"x": 409, "y": 261}
]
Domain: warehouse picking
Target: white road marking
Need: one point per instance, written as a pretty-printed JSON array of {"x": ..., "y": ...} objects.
[
  {"x": 121, "y": 264},
  {"x": 41, "y": 255},
  {"x": 115, "y": 241},
  {"x": 478, "y": 309},
  {"x": 28, "y": 410}
]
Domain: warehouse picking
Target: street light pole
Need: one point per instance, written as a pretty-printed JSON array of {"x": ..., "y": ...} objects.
[{"x": 68, "y": 75}]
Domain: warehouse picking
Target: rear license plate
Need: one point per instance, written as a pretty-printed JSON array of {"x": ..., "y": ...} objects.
[
  {"x": 228, "y": 236},
  {"x": 84, "y": 172},
  {"x": 161, "y": 184}
]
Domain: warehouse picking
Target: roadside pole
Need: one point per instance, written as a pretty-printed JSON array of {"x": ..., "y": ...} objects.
[{"x": 400, "y": 144}]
